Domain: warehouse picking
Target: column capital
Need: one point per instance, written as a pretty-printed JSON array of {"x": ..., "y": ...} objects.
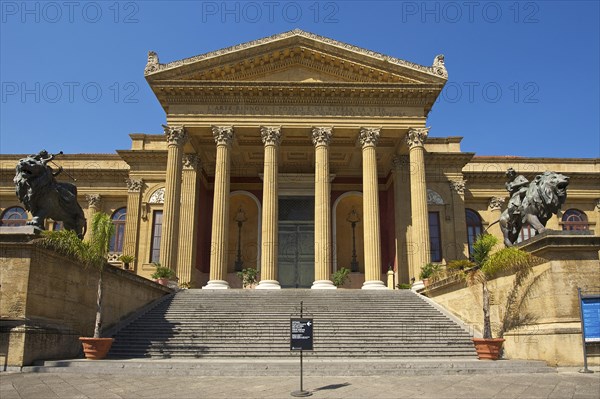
[
  {"x": 270, "y": 135},
  {"x": 496, "y": 203},
  {"x": 399, "y": 161},
  {"x": 321, "y": 136},
  {"x": 191, "y": 162},
  {"x": 598, "y": 204},
  {"x": 416, "y": 136},
  {"x": 223, "y": 135},
  {"x": 134, "y": 185},
  {"x": 93, "y": 200},
  {"x": 176, "y": 135},
  {"x": 458, "y": 186},
  {"x": 369, "y": 136}
]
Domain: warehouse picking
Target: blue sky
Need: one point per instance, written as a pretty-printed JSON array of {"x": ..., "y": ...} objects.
[{"x": 523, "y": 76}]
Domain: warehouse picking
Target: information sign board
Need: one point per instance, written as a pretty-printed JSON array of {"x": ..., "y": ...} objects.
[
  {"x": 301, "y": 334},
  {"x": 590, "y": 311}
]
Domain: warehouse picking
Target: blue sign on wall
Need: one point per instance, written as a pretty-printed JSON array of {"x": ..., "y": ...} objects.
[{"x": 590, "y": 309}]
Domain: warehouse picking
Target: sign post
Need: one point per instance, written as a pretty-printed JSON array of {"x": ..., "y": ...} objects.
[
  {"x": 589, "y": 307},
  {"x": 301, "y": 338}
]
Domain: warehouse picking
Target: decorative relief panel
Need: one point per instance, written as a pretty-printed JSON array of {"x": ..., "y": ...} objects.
[
  {"x": 433, "y": 198},
  {"x": 157, "y": 197}
]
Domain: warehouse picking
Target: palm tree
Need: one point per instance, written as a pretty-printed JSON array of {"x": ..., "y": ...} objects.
[
  {"x": 92, "y": 253},
  {"x": 489, "y": 263}
]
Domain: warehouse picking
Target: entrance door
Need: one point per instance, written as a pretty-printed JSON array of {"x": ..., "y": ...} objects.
[{"x": 296, "y": 256}]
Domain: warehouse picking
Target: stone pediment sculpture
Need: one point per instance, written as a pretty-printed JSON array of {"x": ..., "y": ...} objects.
[
  {"x": 296, "y": 55},
  {"x": 40, "y": 193},
  {"x": 531, "y": 203}
]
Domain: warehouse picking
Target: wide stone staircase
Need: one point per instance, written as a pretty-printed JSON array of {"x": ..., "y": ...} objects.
[{"x": 237, "y": 324}]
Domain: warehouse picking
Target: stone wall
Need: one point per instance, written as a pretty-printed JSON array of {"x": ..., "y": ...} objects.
[
  {"x": 548, "y": 324},
  {"x": 47, "y": 301}
]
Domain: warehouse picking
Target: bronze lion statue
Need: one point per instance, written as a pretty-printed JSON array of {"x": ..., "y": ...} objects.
[
  {"x": 44, "y": 197},
  {"x": 541, "y": 199}
]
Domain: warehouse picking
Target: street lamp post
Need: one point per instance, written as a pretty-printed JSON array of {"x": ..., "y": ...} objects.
[
  {"x": 353, "y": 218},
  {"x": 240, "y": 218}
]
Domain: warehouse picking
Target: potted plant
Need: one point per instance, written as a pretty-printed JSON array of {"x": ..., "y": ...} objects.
[
  {"x": 340, "y": 277},
  {"x": 92, "y": 253},
  {"x": 163, "y": 274},
  {"x": 126, "y": 259},
  {"x": 488, "y": 264},
  {"x": 249, "y": 277},
  {"x": 427, "y": 271}
]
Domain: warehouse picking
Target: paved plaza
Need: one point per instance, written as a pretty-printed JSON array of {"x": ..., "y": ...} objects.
[{"x": 562, "y": 385}]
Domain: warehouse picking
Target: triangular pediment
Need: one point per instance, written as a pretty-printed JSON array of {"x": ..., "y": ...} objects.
[{"x": 295, "y": 56}]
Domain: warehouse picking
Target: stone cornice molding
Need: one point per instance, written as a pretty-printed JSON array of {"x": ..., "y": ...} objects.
[
  {"x": 301, "y": 37},
  {"x": 458, "y": 186},
  {"x": 93, "y": 200},
  {"x": 416, "y": 136},
  {"x": 369, "y": 136},
  {"x": 321, "y": 136},
  {"x": 191, "y": 162},
  {"x": 134, "y": 185},
  {"x": 270, "y": 135},
  {"x": 223, "y": 135},
  {"x": 176, "y": 135},
  {"x": 496, "y": 203}
]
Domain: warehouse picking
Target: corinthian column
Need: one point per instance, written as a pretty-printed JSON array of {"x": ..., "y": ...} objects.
[
  {"x": 188, "y": 230},
  {"x": 460, "y": 247},
  {"x": 418, "y": 199},
  {"x": 94, "y": 201},
  {"x": 132, "y": 222},
  {"x": 271, "y": 137},
  {"x": 176, "y": 137},
  {"x": 321, "y": 136},
  {"x": 495, "y": 211},
  {"x": 218, "y": 257},
  {"x": 372, "y": 241}
]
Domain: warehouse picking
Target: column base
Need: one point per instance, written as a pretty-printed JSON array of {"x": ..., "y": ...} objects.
[
  {"x": 216, "y": 285},
  {"x": 417, "y": 285},
  {"x": 374, "y": 285},
  {"x": 268, "y": 285},
  {"x": 323, "y": 285}
]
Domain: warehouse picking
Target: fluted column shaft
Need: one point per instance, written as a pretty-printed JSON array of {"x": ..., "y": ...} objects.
[
  {"x": 188, "y": 228},
  {"x": 372, "y": 239},
  {"x": 176, "y": 138},
  {"x": 220, "y": 219},
  {"x": 459, "y": 249},
  {"x": 495, "y": 209},
  {"x": 271, "y": 137},
  {"x": 321, "y": 137},
  {"x": 132, "y": 223},
  {"x": 418, "y": 199}
]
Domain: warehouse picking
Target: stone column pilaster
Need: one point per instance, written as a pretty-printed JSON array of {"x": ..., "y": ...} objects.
[
  {"x": 188, "y": 226},
  {"x": 400, "y": 174},
  {"x": 271, "y": 137},
  {"x": 94, "y": 203},
  {"x": 132, "y": 219},
  {"x": 372, "y": 241},
  {"x": 321, "y": 136},
  {"x": 597, "y": 209},
  {"x": 460, "y": 245},
  {"x": 418, "y": 199},
  {"x": 220, "y": 219},
  {"x": 176, "y": 137},
  {"x": 495, "y": 208}
]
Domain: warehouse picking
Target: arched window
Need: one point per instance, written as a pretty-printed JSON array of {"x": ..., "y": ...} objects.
[
  {"x": 574, "y": 219},
  {"x": 15, "y": 216},
  {"x": 118, "y": 219},
  {"x": 474, "y": 228}
]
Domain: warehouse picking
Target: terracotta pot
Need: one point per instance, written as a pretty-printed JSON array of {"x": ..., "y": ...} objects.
[
  {"x": 488, "y": 348},
  {"x": 96, "y": 348},
  {"x": 162, "y": 281}
]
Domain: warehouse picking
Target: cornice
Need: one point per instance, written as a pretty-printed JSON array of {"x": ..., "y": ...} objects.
[
  {"x": 300, "y": 37},
  {"x": 136, "y": 156}
]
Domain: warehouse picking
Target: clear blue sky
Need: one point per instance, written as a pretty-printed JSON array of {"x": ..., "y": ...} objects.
[{"x": 524, "y": 76}]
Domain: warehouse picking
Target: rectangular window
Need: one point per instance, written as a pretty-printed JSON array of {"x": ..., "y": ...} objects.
[
  {"x": 156, "y": 235},
  {"x": 435, "y": 237}
]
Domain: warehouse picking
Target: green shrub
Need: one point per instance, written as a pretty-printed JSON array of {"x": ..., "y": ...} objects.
[
  {"x": 162, "y": 271},
  {"x": 340, "y": 277},
  {"x": 429, "y": 269},
  {"x": 248, "y": 276}
]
